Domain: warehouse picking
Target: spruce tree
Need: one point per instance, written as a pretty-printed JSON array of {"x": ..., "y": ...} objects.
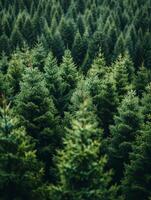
[
  {"x": 38, "y": 114},
  {"x": 124, "y": 131},
  {"x": 14, "y": 73},
  {"x": 4, "y": 44},
  {"x": 68, "y": 81},
  {"x": 80, "y": 165},
  {"x": 137, "y": 179},
  {"x": 142, "y": 79},
  {"x": 51, "y": 72},
  {"x": 79, "y": 49},
  {"x": 20, "y": 171},
  {"x": 121, "y": 75}
]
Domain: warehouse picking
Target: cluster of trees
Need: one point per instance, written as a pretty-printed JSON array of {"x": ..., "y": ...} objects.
[
  {"x": 67, "y": 135},
  {"x": 82, "y": 26},
  {"x": 75, "y": 100}
]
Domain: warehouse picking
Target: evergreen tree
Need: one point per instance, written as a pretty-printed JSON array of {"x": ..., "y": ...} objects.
[
  {"x": 38, "y": 115},
  {"x": 16, "y": 38},
  {"x": 137, "y": 180},
  {"x": 51, "y": 70},
  {"x": 79, "y": 49},
  {"x": 142, "y": 78},
  {"x": 81, "y": 168},
  {"x": 146, "y": 104},
  {"x": 124, "y": 131},
  {"x": 122, "y": 74},
  {"x": 4, "y": 44},
  {"x": 68, "y": 81},
  {"x": 14, "y": 73},
  {"x": 57, "y": 46},
  {"x": 119, "y": 46},
  {"x": 20, "y": 171},
  {"x": 39, "y": 54},
  {"x": 67, "y": 32}
]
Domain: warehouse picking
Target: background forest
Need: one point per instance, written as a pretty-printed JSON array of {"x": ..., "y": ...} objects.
[{"x": 75, "y": 100}]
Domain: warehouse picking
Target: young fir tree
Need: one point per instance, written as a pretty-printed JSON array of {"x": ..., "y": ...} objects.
[
  {"x": 39, "y": 55},
  {"x": 14, "y": 74},
  {"x": 4, "y": 44},
  {"x": 146, "y": 104},
  {"x": 68, "y": 81},
  {"x": 137, "y": 179},
  {"x": 51, "y": 73},
  {"x": 103, "y": 91},
  {"x": 57, "y": 46},
  {"x": 124, "y": 131},
  {"x": 80, "y": 165},
  {"x": 79, "y": 49},
  {"x": 38, "y": 114},
  {"x": 142, "y": 78},
  {"x": 20, "y": 171},
  {"x": 106, "y": 101},
  {"x": 121, "y": 74}
]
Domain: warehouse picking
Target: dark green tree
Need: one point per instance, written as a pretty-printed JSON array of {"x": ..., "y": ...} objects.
[
  {"x": 137, "y": 180},
  {"x": 68, "y": 81},
  {"x": 38, "y": 114},
  {"x": 81, "y": 168},
  {"x": 79, "y": 49},
  {"x": 127, "y": 123},
  {"x": 20, "y": 171}
]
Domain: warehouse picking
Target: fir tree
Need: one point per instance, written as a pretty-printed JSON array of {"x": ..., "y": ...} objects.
[
  {"x": 38, "y": 115},
  {"x": 81, "y": 168},
  {"x": 20, "y": 171},
  {"x": 79, "y": 49},
  {"x": 137, "y": 180},
  {"x": 124, "y": 131},
  {"x": 68, "y": 81}
]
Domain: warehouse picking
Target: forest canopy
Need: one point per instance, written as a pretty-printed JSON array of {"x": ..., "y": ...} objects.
[{"x": 75, "y": 100}]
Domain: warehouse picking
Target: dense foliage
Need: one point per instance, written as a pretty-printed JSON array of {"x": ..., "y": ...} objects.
[{"x": 75, "y": 100}]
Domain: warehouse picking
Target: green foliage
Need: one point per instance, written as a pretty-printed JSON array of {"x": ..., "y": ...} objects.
[
  {"x": 68, "y": 75},
  {"x": 68, "y": 68},
  {"x": 81, "y": 168},
  {"x": 38, "y": 115},
  {"x": 20, "y": 171},
  {"x": 124, "y": 131},
  {"x": 136, "y": 184}
]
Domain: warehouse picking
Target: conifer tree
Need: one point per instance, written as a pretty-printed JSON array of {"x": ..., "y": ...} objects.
[
  {"x": 51, "y": 71},
  {"x": 67, "y": 32},
  {"x": 16, "y": 38},
  {"x": 146, "y": 103},
  {"x": 57, "y": 46},
  {"x": 68, "y": 81},
  {"x": 142, "y": 78},
  {"x": 38, "y": 114},
  {"x": 124, "y": 131},
  {"x": 14, "y": 73},
  {"x": 137, "y": 180},
  {"x": 39, "y": 54},
  {"x": 119, "y": 46},
  {"x": 20, "y": 171},
  {"x": 81, "y": 168},
  {"x": 4, "y": 44},
  {"x": 121, "y": 75},
  {"x": 79, "y": 49}
]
